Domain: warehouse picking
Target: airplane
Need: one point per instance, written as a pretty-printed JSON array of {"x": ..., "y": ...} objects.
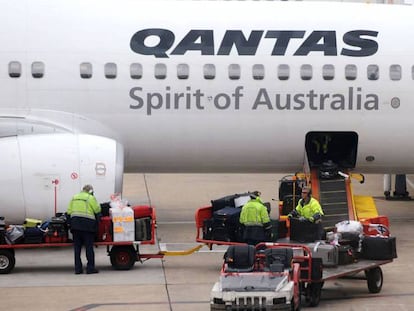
[{"x": 92, "y": 89}]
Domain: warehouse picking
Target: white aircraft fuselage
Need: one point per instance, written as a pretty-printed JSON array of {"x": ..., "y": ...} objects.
[{"x": 209, "y": 86}]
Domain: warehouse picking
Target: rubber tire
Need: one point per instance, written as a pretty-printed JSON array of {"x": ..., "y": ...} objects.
[
  {"x": 7, "y": 261},
  {"x": 123, "y": 257},
  {"x": 374, "y": 280}
]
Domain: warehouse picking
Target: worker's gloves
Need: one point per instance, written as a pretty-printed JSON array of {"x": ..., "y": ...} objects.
[
  {"x": 317, "y": 218},
  {"x": 293, "y": 213}
]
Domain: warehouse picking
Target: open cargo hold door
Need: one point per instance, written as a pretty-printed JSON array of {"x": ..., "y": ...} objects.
[
  {"x": 339, "y": 147},
  {"x": 334, "y": 193}
]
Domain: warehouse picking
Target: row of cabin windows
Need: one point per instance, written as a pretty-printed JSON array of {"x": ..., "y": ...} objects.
[{"x": 209, "y": 71}]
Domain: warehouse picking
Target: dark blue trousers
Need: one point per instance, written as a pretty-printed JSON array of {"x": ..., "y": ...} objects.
[{"x": 84, "y": 238}]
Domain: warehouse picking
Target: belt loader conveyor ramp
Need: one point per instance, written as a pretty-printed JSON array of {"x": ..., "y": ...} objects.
[{"x": 335, "y": 197}]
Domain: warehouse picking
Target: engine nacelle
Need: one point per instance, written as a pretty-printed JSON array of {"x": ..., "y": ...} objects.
[{"x": 40, "y": 173}]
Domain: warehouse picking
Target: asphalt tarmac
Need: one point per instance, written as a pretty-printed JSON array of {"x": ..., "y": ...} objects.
[{"x": 44, "y": 279}]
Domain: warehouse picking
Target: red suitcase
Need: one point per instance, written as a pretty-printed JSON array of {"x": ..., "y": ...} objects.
[
  {"x": 105, "y": 229},
  {"x": 141, "y": 211}
]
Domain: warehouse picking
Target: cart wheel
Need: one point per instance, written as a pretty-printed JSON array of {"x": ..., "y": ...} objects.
[
  {"x": 374, "y": 279},
  {"x": 315, "y": 294},
  {"x": 123, "y": 257},
  {"x": 7, "y": 261}
]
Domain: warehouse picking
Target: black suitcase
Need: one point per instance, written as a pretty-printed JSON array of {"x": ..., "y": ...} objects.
[
  {"x": 234, "y": 200},
  {"x": 229, "y": 216},
  {"x": 143, "y": 229},
  {"x": 2, "y": 231},
  {"x": 286, "y": 188},
  {"x": 304, "y": 231},
  {"x": 346, "y": 255},
  {"x": 208, "y": 229},
  {"x": 379, "y": 248},
  {"x": 226, "y": 224},
  {"x": 328, "y": 170},
  {"x": 34, "y": 235}
]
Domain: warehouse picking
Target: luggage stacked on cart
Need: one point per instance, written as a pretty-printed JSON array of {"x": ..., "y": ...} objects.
[
  {"x": 33, "y": 232},
  {"x": 56, "y": 230},
  {"x": 105, "y": 229},
  {"x": 143, "y": 221},
  {"x": 14, "y": 234},
  {"x": 123, "y": 222},
  {"x": 290, "y": 188},
  {"x": 2, "y": 231},
  {"x": 225, "y": 224},
  {"x": 377, "y": 244}
]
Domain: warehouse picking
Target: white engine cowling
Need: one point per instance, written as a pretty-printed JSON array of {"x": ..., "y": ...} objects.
[{"x": 40, "y": 173}]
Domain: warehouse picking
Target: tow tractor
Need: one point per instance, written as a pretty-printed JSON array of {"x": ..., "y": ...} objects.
[{"x": 275, "y": 276}]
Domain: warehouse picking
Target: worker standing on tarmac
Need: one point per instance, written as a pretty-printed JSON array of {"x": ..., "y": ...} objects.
[
  {"x": 255, "y": 218},
  {"x": 84, "y": 211}
]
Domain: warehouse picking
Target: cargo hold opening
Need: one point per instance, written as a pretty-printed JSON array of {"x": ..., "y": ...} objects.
[{"x": 340, "y": 147}]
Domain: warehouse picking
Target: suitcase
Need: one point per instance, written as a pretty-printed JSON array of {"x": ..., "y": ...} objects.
[
  {"x": 33, "y": 235},
  {"x": 328, "y": 170},
  {"x": 208, "y": 229},
  {"x": 57, "y": 230},
  {"x": 352, "y": 239},
  {"x": 31, "y": 222},
  {"x": 346, "y": 255},
  {"x": 379, "y": 248},
  {"x": 226, "y": 224},
  {"x": 327, "y": 252},
  {"x": 286, "y": 188},
  {"x": 304, "y": 231},
  {"x": 105, "y": 209},
  {"x": 141, "y": 211},
  {"x": 143, "y": 229},
  {"x": 14, "y": 234},
  {"x": 58, "y": 238},
  {"x": 234, "y": 200},
  {"x": 105, "y": 230}
]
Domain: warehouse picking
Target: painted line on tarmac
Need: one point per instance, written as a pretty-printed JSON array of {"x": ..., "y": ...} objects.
[{"x": 98, "y": 305}]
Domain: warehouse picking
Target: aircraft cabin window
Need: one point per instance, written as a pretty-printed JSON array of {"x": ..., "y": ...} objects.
[
  {"x": 160, "y": 71},
  {"x": 135, "y": 71},
  {"x": 373, "y": 72},
  {"x": 306, "y": 72},
  {"x": 234, "y": 71},
  {"x": 351, "y": 72},
  {"x": 209, "y": 71},
  {"x": 15, "y": 69},
  {"x": 110, "y": 70},
  {"x": 283, "y": 72},
  {"x": 328, "y": 72},
  {"x": 38, "y": 70},
  {"x": 395, "y": 72},
  {"x": 85, "y": 70},
  {"x": 258, "y": 72},
  {"x": 183, "y": 71}
]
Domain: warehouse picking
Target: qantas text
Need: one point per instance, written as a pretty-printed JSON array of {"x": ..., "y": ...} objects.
[{"x": 355, "y": 43}]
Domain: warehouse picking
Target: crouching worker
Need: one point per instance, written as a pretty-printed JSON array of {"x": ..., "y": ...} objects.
[
  {"x": 308, "y": 209},
  {"x": 255, "y": 219}
]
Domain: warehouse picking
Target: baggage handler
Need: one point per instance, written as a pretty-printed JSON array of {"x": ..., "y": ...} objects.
[
  {"x": 255, "y": 219},
  {"x": 308, "y": 208},
  {"x": 83, "y": 211}
]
